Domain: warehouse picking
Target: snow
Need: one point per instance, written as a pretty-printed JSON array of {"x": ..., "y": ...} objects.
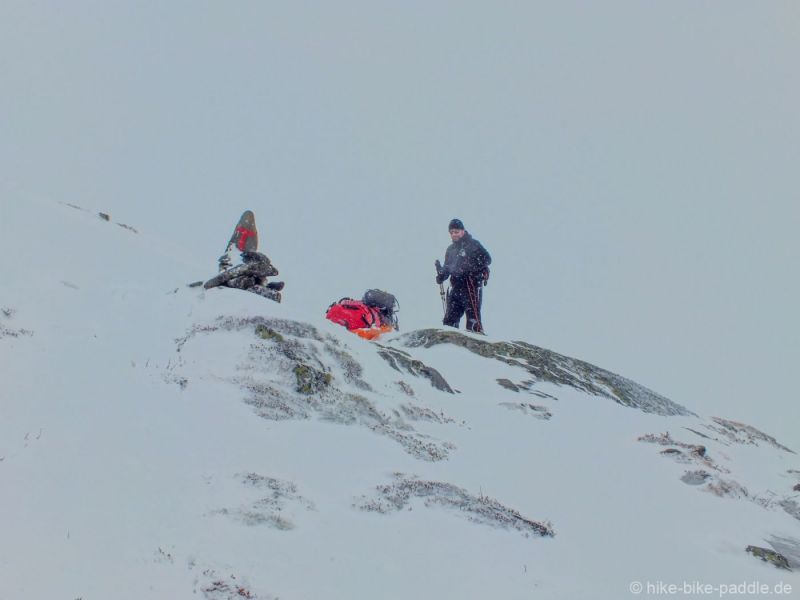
[{"x": 132, "y": 465}]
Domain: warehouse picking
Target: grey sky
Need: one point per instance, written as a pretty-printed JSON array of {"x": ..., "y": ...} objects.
[{"x": 632, "y": 166}]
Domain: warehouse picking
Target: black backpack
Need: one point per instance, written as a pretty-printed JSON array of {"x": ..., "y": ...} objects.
[{"x": 386, "y": 303}]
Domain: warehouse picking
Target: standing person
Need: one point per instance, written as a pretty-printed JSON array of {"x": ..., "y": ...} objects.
[{"x": 466, "y": 263}]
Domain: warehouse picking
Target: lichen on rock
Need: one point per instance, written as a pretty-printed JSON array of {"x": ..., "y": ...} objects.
[
  {"x": 310, "y": 380},
  {"x": 769, "y": 556},
  {"x": 292, "y": 371}
]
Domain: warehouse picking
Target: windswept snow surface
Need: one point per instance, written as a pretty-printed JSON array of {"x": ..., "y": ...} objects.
[{"x": 153, "y": 445}]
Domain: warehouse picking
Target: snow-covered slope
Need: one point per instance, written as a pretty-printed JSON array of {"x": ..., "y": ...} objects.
[{"x": 159, "y": 441}]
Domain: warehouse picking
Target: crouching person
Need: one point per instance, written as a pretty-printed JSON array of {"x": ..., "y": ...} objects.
[{"x": 250, "y": 276}]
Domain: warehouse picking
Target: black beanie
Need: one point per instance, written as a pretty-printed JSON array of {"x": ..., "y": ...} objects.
[{"x": 455, "y": 224}]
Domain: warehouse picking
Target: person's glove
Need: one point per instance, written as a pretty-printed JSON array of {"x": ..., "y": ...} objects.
[{"x": 441, "y": 273}]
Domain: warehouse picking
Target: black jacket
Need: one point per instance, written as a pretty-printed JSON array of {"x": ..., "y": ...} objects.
[{"x": 465, "y": 258}]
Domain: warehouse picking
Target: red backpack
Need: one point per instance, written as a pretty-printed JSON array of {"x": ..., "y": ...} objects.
[{"x": 353, "y": 314}]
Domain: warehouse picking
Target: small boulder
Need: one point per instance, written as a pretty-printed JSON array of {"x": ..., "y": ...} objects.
[{"x": 767, "y": 555}]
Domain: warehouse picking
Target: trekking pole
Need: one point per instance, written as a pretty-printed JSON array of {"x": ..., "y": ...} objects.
[
  {"x": 472, "y": 294},
  {"x": 441, "y": 286}
]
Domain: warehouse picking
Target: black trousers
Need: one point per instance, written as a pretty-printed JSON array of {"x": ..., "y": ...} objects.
[
  {"x": 464, "y": 297},
  {"x": 257, "y": 285}
]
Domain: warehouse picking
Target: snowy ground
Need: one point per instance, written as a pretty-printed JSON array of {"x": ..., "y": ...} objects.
[{"x": 144, "y": 454}]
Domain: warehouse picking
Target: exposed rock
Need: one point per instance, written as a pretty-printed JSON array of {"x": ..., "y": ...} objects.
[
  {"x": 181, "y": 382},
  {"x": 270, "y": 509},
  {"x": 266, "y": 333},
  {"x": 14, "y": 333},
  {"x": 528, "y": 384},
  {"x": 271, "y": 402},
  {"x": 791, "y": 507},
  {"x": 539, "y": 412},
  {"x": 552, "y": 367},
  {"x": 281, "y": 326},
  {"x": 664, "y": 439},
  {"x": 398, "y": 358},
  {"x": 128, "y": 227},
  {"x": 712, "y": 482},
  {"x": 695, "y": 477},
  {"x": 508, "y": 384},
  {"x": 420, "y": 413},
  {"x": 216, "y": 586},
  {"x": 352, "y": 369},
  {"x": 770, "y": 556},
  {"x": 288, "y": 373},
  {"x": 352, "y": 409},
  {"x": 416, "y": 444},
  {"x": 405, "y": 388},
  {"x": 8, "y": 313},
  {"x": 478, "y": 509},
  {"x": 310, "y": 380},
  {"x": 723, "y": 487},
  {"x": 678, "y": 456},
  {"x": 787, "y": 547},
  {"x": 524, "y": 386},
  {"x": 702, "y": 435},
  {"x": 741, "y": 433}
]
